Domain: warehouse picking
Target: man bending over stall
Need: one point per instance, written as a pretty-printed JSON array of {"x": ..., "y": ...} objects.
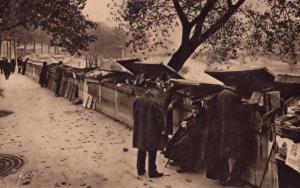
[{"x": 231, "y": 149}]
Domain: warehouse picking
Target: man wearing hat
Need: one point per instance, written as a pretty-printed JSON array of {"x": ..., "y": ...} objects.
[{"x": 148, "y": 131}]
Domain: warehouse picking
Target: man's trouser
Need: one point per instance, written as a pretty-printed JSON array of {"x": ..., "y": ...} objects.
[
  {"x": 141, "y": 160},
  {"x": 57, "y": 87},
  {"x": 237, "y": 171}
]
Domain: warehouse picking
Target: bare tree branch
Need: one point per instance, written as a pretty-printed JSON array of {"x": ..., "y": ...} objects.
[
  {"x": 183, "y": 18},
  {"x": 215, "y": 27},
  {"x": 11, "y": 26},
  {"x": 229, "y": 3},
  {"x": 199, "y": 20}
]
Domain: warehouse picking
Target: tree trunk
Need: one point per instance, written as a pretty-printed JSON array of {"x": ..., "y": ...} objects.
[
  {"x": 7, "y": 49},
  {"x": 33, "y": 46},
  {"x": 90, "y": 62},
  {"x": 41, "y": 47},
  {"x": 48, "y": 48},
  {"x": 180, "y": 56},
  {"x": 15, "y": 48},
  {"x": 0, "y": 47},
  {"x": 86, "y": 62},
  {"x": 25, "y": 49},
  {"x": 96, "y": 60},
  {"x": 10, "y": 50}
]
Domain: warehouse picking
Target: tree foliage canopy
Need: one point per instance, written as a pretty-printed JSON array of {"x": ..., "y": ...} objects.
[
  {"x": 60, "y": 18},
  {"x": 22, "y": 35},
  {"x": 108, "y": 39},
  {"x": 222, "y": 27}
]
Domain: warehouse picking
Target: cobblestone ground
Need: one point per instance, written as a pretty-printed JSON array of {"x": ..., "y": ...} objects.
[{"x": 69, "y": 146}]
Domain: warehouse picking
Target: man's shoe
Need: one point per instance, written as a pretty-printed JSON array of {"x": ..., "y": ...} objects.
[
  {"x": 156, "y": 175},
  {"x": 224, "y": 181},
  {"x": 172, "y": 163},
  {"x": 184, "y": 170},
  {"x": 141, "y": 173},
  {"x": 236, "y": 183}
]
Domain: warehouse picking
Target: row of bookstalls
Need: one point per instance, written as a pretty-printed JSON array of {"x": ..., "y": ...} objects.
[
  {"x": 33, "y": 69},
  {"x": 272, "y": 102},
  {"x": 72, "y": 83}
]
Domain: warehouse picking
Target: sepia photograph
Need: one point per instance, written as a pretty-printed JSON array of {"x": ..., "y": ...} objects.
[{"x": 149, "y": 93}]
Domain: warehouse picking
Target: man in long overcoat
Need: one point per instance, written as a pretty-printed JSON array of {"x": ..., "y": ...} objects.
[
  {"x": 148, "y": 131},
  {"x": 230, "y": 112},
  {"x": 24, "y": 66},
  {"x": 19, "y": 63},
  {"x": 13, "y": 65},
  {"x": 6, "y": 68}
]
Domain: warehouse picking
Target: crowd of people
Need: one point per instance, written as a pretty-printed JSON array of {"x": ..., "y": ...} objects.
[
  {"x": 213, "y": 135},
  {"x": 9, "y": 67}
]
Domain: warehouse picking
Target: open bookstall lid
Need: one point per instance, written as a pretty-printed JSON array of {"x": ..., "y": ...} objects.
[
  {"x": 195, "y": 88},
  {"x": 288, "y": 81},
  {"x": 136, "y": 67},
  {"x": 289, "y": 85},
  {"x": 254, "y": 79}
]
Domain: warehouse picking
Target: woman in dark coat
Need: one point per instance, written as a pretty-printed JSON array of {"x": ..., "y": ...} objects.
[
  {"x": 148, "y": 131},
  {"x": 184, "y": 148},
  {"x": 43, "y": 75}
]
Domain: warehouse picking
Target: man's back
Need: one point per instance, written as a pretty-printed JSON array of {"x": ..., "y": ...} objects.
[
  {"x": 148, "y": 123},
  {"x": 228, "y": 104}
]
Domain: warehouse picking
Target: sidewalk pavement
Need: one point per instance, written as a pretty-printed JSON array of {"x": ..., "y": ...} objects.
[{"x": 69, "y": 146}]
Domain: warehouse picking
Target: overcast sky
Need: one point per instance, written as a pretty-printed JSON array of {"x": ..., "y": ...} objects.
[{"x": 97, "y": 10}]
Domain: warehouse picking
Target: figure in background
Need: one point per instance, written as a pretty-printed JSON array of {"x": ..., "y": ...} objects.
[
  {"x": 230, "y": 112},
  {"x": 24, "y": 66},
  {"x": 58, "y": 77},
  {"x": 1, "y": 65},
  {"x": 43, "y": 75},
  {"x": 13, "y": 65},
  {"x": 6, "y": 68},
  {"x": 19, "y": 62},
  {"x": 148, "y": 131},
  {"x": 1, "y": 91}
]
